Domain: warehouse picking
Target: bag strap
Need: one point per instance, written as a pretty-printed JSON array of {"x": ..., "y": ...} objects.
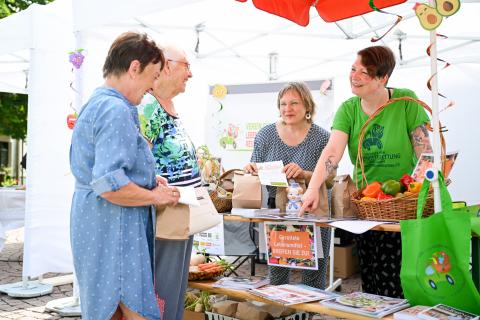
[{"x": 444, "y": 195}]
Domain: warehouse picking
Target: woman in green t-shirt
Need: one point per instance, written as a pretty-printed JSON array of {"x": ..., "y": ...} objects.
[{"x": 394, "y": 140}]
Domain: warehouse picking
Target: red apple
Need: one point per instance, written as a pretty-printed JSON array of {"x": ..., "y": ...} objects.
[{"x": 71, "y": 119}]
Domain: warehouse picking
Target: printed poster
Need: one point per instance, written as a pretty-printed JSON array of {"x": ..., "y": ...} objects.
[
  {"x": 292, "y": 245},
  {"x": 210, "y": 241},
  {"x": 235, "y": 113}
]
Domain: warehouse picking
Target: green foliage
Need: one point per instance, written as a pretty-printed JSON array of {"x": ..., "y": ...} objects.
[
  {"x": 7, "y": 7},
  {"x": 13, "y": 115},
  {"x": 13, "y": 107}
]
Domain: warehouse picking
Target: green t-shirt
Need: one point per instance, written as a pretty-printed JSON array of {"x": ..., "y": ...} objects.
[{"x": 387, "y": 148}]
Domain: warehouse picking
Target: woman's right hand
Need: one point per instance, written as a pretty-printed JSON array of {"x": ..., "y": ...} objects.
[
  {"x": 251, "y": 168},
  {"x": 166, "y": 196},
  {"x": 310, "y": 201}
]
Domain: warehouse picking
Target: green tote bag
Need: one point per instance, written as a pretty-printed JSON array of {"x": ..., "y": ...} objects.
[{"x": 436, "y": 255}]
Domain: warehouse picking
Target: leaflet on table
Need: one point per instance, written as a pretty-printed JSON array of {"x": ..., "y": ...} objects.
[
  {"x": 241, "y": 283},
  {"x": 271, "y": 174},
  {"x": 409, "y": 313},
  {"x": 269, "y": 214},
  {"x": 357, "y": 226},
  {"x": 444, "y": 312},
  {"x": 289, "y": 294},
  {"x": 366, "y": 304}
]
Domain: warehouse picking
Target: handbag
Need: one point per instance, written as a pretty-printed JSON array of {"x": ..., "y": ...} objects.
[
  {"x": 436, "y": 255},
  {"x": 181, "y": 221}
]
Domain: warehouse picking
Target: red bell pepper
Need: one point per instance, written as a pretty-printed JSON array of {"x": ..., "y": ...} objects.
[
  {"x": 382, "y": 196},
  {"x": 405, "y": 180}
]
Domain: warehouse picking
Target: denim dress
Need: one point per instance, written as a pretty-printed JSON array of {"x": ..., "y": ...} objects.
[{"x": 112, "y": 245}]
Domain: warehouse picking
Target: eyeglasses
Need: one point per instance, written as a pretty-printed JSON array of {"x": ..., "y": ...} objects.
[{"x": 179, "y": 61}]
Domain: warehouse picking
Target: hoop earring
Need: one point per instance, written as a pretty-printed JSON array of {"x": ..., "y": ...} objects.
[{"x": 308, "y": 115}]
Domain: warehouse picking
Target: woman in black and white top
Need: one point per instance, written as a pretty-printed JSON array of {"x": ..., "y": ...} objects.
[{"x": 298, "y": 142}]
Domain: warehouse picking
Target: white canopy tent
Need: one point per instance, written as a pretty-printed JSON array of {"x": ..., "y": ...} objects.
[{"x": 235, "y": 41}]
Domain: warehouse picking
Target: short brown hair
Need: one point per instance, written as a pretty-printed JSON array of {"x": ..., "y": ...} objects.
[
  {"x": 378, "y": 60},
  {"x": 303, "y": 91},
  {"x": 131, "y": 46}
]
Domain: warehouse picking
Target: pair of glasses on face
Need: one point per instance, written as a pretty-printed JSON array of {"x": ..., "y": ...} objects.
[{"x": 186, "y": 64}]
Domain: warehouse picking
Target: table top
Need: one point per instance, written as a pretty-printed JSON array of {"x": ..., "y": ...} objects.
[
  {"x": 309, "y": 307},
  {"x": 383, "y": 227}
]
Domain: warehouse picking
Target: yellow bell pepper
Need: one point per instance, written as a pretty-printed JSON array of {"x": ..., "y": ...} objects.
[{"x": 414, "y": 187}]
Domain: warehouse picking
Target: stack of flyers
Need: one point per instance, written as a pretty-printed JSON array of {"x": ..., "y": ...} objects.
[
  {"x": 366, "y": 304},
  {"x": 409, "y": 313},
  {"x": 241, "y": 283},
  {"x": 289, "y": 294},
  {"x": 444, "y": 312}
]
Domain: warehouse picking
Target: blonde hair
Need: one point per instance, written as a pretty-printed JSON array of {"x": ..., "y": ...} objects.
[{"x": 304, "y": 92}]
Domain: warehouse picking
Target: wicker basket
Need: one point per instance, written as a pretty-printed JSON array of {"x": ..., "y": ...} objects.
[
  {"x": 204, "y": 275},
  {"x": 222, "y": 194},
  {"x": 397, "y": 208}
]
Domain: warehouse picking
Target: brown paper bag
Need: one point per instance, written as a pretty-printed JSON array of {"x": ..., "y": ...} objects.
[
  {"x": 173, "y": 222},
  {"x": 181, "y": 221},
  {"x": 342, "y": 207},
  {"x": 247, "y": 191},
  {"x": 247, "y": 311},
  {"x": 226, "y": 308},
  {"x": 281, "y": 199}
]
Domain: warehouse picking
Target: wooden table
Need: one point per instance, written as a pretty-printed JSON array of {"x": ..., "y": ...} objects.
[{"x": 315, "y": 307}]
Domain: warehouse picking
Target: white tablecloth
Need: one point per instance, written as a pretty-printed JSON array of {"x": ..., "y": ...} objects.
[{"x": 12, "y": 211}]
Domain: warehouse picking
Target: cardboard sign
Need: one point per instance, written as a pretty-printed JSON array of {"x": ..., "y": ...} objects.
[{"x": 292, "y": 245}]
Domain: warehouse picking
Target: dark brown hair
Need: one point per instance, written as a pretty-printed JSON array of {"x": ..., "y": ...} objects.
[
  {"x": 303, "y": 91},
  {"x": 378, "y": 60},
  {"x": 130, "y": 46}
]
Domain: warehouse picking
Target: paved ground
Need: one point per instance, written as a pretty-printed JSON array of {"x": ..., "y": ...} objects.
[{"x": 34, "y": 308}]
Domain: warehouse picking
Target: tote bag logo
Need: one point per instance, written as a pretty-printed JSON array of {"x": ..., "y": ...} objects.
[{"x": 437, "y": 273}]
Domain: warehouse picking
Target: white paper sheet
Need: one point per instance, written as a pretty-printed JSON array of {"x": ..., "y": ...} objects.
[
  {"x": 187, "y": 196},
  {"x": 357, "y": 226},
  {"x": 270, "y": 174}
]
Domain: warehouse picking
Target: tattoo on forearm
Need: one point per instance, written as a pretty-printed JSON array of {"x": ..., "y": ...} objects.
[
  {"x": 330, "y": 166},
  {"x": 420, "y": 140}
]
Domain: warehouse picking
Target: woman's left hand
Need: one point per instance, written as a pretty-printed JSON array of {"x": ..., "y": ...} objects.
[
  {"x": 161, "y": 181},
  {"x": 293, "y": 170}
]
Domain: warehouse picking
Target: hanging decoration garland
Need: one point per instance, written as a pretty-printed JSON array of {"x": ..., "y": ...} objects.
[
  {"x": 375, "y": 8},
  {"x": 430, "y": 19},
  {"x": 76, "y": 58},
  {"x": 219, "y": 92}
]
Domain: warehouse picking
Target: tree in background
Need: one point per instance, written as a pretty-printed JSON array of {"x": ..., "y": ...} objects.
[{"x": 13, "y": 107}]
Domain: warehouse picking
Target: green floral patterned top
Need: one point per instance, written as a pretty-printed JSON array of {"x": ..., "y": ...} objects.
[{"x": 172, "y": 148}]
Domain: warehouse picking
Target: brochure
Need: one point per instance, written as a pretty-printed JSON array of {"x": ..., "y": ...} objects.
[
  {"x": 271, "y": 174},
  {"x": 241, "y": 283},
  {"x": 444, "y": 312},
  {"x": 288, "y": 294},
  {"x": 426, "y": 162},
  {"x": 409, "y": 313},
  {"x": 366, "y": 304}
]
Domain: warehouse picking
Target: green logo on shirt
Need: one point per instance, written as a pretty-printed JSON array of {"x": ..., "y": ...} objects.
[{"x": 372, "y": 138}]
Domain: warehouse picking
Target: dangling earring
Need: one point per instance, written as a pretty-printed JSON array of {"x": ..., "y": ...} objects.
[{"x": 308, "y": 115}]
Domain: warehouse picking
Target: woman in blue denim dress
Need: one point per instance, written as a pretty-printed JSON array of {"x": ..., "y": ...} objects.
[{"x": 111, "y": 218}]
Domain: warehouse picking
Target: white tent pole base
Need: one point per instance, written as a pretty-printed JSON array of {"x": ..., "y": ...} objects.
[{"x": 65, "y": 307}]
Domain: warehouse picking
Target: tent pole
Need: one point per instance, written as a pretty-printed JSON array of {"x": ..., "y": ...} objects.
[{"x": 437, "y": 161}]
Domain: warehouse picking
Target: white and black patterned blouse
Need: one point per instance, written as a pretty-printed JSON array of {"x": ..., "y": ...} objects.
[{"x": 269, "y": 147}]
